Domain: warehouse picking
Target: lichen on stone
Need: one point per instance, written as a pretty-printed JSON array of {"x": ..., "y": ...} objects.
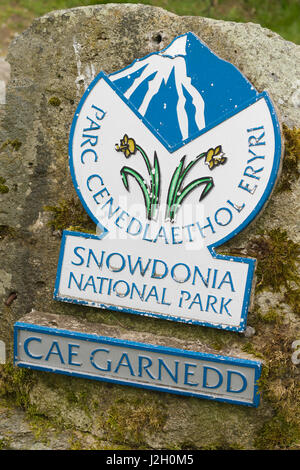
[
  {"x": 290, "y": 168},
  {"x": 4, "y": 443},
  {"x": 128, "y": 419},
  {"x": 54, "y": 101},
  {"x": 70, "y": 215},
  {"x": 277, "y": 263},
  {"x": 15, "y": 384},
  {"x": 278, "y": 433},
  {"x": 272, "y": 316},
  {"x": 278, "y": 386},
  {"x": 14, "y": 144},
  {"x": 7, "y": 232},
  {"x": 3, "y": 188}
]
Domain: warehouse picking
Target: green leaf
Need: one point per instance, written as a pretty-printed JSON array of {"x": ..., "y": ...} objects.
[
  {"x": 127, "y": 171},
  {"x": 155, "y": 186},
  {"x": 145, "y": 157},
  {"x": 209, "y": 183},
  {"x": 176, "y": 183},
  {"x": 174, "y": 187}
]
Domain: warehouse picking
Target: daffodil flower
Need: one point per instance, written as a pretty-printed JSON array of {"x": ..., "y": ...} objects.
[
  {"x": 127, "y": 146},
  {"x": 176, "y": 193},
  {"x": 215, "y": 157},
  {"x": 150, "y": 191}
]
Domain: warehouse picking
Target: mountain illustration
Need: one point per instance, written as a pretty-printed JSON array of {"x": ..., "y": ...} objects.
[{"x": 183, "y": 89}]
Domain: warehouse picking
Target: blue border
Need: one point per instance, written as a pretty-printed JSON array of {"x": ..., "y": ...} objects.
[
  {"x": 240, "y": 327},
  {"x": 251, "y": 262},
  {"x": 256, "y": 365}
]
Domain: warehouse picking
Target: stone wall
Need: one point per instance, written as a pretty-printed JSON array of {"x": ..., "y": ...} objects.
[{"x": 52, "y": 63}]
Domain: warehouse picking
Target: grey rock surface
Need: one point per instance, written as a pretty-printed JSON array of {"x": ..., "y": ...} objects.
[
  {"x": 57, "y": 57},
  {"x": 16, "y": 433}
]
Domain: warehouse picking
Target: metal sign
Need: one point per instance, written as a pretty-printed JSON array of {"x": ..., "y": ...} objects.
[
  {"x": 142, "y": 365},
  {"x": 171, "y": 157}
]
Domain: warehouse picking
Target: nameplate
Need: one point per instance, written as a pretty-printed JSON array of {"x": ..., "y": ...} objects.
[{"x": 148, "y": 366}]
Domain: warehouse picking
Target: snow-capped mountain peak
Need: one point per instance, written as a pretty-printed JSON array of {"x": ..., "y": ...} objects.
[{"x": 183, "y": 89}]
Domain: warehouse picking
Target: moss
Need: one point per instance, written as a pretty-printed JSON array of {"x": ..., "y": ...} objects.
[
  {"x": 4, "y": 443},
  {"x": 81, "y": 400},
  {"x": 14, "y": 144},
  {"x": 278, "y": 433},
  {"x": 249, "y": 348},
  {"x": 278, "y": 260},
  {"x": 292, "y": 298},
  {"x": 54, "y": 101},
  {"x": 73, "y": 398},
  {"x": 223, "y": 445},
  {"x": 279, "y": 388},
  {"x": 78, "y": 441},
  {"x": 70, "y": 215},
  {"x": 7, "y": 232},
  {"x": 3, "y": 187},
  {"x": 15, "y": 384},
  {"x": 129, "y": 418},
  {"x": 277, "y": 257},
  {"x": 40, "y": 425},
  {"x": 276, "y": 350},
  {"x": 272, "y": 316},
  {"x": 290, "y": 167}
]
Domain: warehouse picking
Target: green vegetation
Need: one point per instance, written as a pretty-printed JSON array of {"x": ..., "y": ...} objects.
[
  {"x": 278, "y": 433},
  {"x": 278, "y": 383},
  {"x": 12, "y": 144},
  {"x": 277, "y": 257},
  {"x": 290, "y": 167},
  {"x": 3, "y": 188},
  {"x": 4, "y": 444},
  {"x": 277, "y": 262},
  {"x": 281, "y": 16},
  {"x": 273, "y": 316},
  {"x": 54, "y": 101},
  {"x": 279, "y": 387},
  {"x": 249, "y": 348},
  {"x": 70, "y": 215},
  {"x": 15, "y": 384},
  {"x": 128, "y": 418},
  {"x": 6, "y": 231}
]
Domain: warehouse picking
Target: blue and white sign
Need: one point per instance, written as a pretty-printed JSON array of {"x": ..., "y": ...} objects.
[
  {"x": 142, "y": 365},
  {"x": 171, "y": 157}
]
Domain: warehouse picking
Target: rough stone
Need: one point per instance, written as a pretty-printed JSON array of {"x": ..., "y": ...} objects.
[
  {"x": 4, "y": 77},
  {"x": 16, "y": 433},
  {"x": 53, "y": 61}
]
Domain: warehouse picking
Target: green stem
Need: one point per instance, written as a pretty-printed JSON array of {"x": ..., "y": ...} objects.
[
  {"x": 146, "y": 159},
  {"x": 140, "y": 180},
  {"x": 176, "y": 183},
  {"x": 190, "y": 165},
  {"x": 154, "y": 174},
  {"x": 155, "y": 186},
  {"x": 173, "y": 188},
  {"x": 208, "y": 181}
]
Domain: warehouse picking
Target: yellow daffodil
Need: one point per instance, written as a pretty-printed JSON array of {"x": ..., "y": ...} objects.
[
  {"x": 127, "y": 146},
  {"x": 215, "y": 157}
]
